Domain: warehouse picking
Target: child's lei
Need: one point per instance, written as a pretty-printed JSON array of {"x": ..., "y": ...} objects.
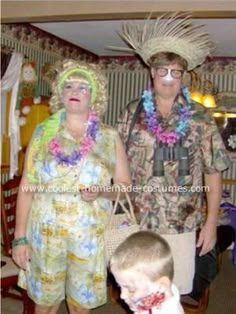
[
  {"x": 169, "y": 137},
  {"x": 84, "y": 148}
]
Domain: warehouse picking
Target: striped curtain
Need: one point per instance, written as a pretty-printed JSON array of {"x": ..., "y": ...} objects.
[
  {"x": 123, "y": 87},
  {"x": 224, "y": 82}
]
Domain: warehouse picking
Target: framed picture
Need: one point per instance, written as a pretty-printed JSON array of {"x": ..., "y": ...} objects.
[{"x": 225, "y": 117}]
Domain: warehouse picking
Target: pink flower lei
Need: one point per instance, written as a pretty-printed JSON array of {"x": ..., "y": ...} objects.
[
  {"x": 84, "y": 148},
  {"x": 156, "y": 129}
]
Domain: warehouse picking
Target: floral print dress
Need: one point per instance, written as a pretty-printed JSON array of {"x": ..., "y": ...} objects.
[{"x": 66, "y": 233}]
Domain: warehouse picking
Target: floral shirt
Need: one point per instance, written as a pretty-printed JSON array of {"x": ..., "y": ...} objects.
[
  {"x": 174, "y": 203},
  {"x": 43, "y": 170},
  {"x": 65, "y": 232}
]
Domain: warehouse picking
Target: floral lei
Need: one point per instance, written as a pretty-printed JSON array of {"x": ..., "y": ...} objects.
[
  {"x": 84, "y": 148},
  {"x": 156, "y": 129}
]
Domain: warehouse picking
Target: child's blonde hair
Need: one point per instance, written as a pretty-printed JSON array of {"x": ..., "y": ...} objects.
[{"x": 146, "y": 251}]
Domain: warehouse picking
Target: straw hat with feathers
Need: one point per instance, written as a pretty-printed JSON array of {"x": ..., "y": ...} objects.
[{"x": 169, "y": 33}]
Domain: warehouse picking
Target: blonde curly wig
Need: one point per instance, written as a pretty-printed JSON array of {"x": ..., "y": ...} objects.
[{"x": 90, "y": 72}]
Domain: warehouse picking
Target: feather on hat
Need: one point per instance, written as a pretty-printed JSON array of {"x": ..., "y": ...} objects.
[{"x": 169, "y": 33}]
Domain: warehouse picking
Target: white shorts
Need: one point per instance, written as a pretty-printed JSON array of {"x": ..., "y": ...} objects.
[{"x": 183, "y": 247}]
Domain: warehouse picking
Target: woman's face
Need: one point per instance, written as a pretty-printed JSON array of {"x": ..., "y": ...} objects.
[
  {"x": 76, "y": 94},
  {"x": 167, "y": 80}
]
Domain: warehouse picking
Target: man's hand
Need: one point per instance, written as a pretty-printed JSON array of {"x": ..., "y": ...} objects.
[{"x": 207, "y": 238}]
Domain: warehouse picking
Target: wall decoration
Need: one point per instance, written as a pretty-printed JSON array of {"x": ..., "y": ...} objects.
[
  {"x": 227, "y": 128},
  {"x": 28, "y": 92},
  {"x": 232, "y": 141},
  {"x": 42, "y": 47},
  {"x": 226, "y": 101},
  {"x": 225, "y": 116}
]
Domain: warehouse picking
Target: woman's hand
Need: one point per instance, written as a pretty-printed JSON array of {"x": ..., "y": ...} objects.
[
  {"x": 21, "y": 255},
  {"x": 90, "y": 194}
]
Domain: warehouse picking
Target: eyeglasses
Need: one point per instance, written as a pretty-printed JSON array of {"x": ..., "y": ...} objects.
[{"x": 174, "y": 73}]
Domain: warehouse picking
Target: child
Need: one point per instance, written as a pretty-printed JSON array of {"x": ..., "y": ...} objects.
[{"x": 143, "y": 268}]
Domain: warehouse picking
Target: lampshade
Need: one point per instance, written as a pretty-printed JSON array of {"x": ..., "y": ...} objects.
[
  {"x": 224, "y": 114},
  {"x": 197, "y": 96},
  {"x": 208, "y": 101}
]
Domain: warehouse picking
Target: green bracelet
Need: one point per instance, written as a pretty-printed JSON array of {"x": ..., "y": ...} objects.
[{"x": 20, "y": 241}]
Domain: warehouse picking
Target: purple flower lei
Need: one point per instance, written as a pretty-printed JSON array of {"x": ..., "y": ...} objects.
[
  {"x": 84, "y": 148},
  {"x": 169, "y": 137}
]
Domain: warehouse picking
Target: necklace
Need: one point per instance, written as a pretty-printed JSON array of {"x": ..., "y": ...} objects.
[
  {"x": 85, "y": 147},
  {"x": 169, "y": 137}
]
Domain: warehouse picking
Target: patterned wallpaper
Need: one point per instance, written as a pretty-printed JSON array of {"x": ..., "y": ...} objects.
[
  {"x": 41, "y": 47},
  {"x": 211, "y": 65},
  {"x": 37, "y": 38}
]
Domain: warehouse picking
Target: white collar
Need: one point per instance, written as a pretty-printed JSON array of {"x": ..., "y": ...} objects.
[{"x": 172, "y": 303}]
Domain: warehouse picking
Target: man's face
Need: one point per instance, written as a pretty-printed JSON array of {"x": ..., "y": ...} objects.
[{"x": 167, "y": 80}]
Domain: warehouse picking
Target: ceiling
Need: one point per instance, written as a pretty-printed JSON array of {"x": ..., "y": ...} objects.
[{"x": 95, "y": 36}]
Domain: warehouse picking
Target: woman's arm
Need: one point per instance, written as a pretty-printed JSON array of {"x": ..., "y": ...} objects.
[
  {"x": 122, "y": 173},
  {"x": 23, "y": 205},
  {"x": 122, "y": 176},
  {"x": 21, "y": 249}
]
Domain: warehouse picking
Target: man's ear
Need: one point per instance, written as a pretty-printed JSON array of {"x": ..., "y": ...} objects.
[
  {"x": 186, "y": 76},
  {"x": 152, "y": 73}
]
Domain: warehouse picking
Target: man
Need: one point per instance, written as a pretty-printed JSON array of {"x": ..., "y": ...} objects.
[{"x": 173, "y": 144}]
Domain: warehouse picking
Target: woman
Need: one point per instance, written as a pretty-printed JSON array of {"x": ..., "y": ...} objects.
[{"x": 63, "y": 205}]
